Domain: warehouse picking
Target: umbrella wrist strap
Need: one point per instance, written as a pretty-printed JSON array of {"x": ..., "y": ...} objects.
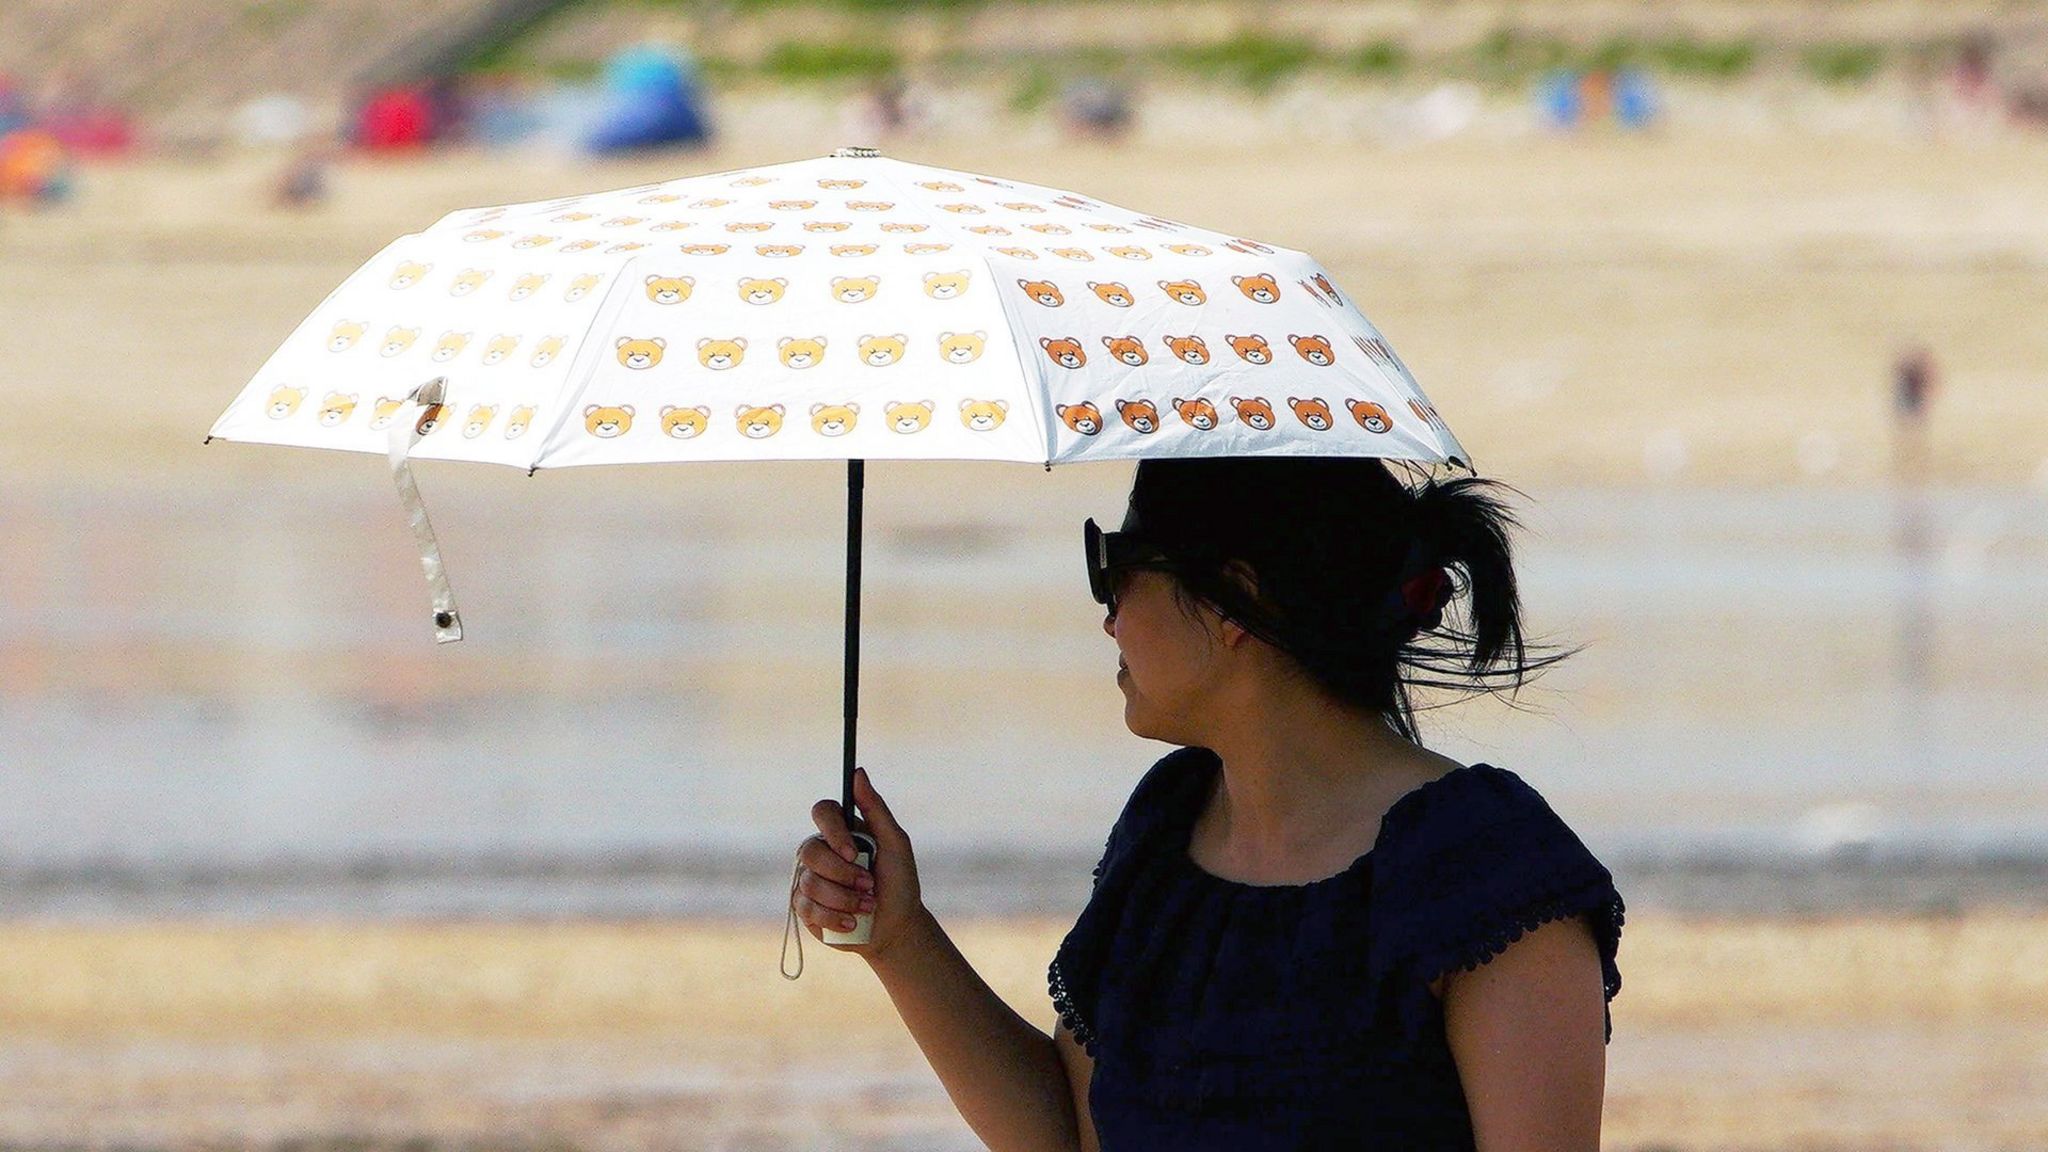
[
  {"x": 406, "y": 431},
  {"x": 789, "y": 926}
]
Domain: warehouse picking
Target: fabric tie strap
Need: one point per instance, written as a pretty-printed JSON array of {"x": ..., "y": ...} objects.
[{"x": 424, "y": 410}]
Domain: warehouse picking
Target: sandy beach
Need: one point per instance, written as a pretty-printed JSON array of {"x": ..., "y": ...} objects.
[
  {"x": 1697, "y": 310},
  {"x": 1773, "y": 1034}
]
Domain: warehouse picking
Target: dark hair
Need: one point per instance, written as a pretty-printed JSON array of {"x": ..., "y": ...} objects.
[{"x": 1328, "y": 540}]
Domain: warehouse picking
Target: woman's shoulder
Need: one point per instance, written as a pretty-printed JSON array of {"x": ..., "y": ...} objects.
[
  {"x": 1480, "y": 833},
  {"x": 1478, "y": 858},
  {"x": 1476, "y": 805}
]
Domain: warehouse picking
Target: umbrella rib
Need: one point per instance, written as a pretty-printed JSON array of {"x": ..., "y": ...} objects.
[{"x": 589, "y": 355}]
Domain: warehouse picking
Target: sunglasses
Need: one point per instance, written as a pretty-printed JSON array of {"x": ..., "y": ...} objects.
[{"x": 1112, "y": 553}]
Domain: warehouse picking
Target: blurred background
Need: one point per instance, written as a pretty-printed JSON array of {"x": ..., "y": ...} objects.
[{"x": 1745, "y": 297}]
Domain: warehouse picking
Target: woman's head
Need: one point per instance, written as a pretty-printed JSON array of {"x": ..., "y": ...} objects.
[{"x": 1329, "y": 562}]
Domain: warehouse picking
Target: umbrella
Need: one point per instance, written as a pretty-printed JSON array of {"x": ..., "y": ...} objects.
[{"x": 851, "y": 307}]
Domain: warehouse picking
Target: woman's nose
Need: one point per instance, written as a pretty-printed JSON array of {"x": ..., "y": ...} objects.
[{"x": 1109, "y": 624}]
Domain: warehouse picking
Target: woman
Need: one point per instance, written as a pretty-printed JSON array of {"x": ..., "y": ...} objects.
[{"x": 1307, "y": 931}]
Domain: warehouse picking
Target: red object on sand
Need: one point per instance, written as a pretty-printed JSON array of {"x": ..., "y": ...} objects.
[
  {"x": 92, "y": 131},
  {"x": 395, "y": 118}
]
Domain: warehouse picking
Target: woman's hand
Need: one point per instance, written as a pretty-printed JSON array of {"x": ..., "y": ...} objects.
[{"x": 831, "y": 890}]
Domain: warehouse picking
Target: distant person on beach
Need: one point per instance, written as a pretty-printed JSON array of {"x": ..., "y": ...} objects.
[
  {"x": 1972, "y": 102},
  {"x": 303, "y": 181},
  {"x": 1971, "y": 79},
  {"x": 1095, "y": 107},
  {"x": 1306, "y": 931},
  {"x": 1913, "y": 385},
  {"x": 886, "y": 110}
]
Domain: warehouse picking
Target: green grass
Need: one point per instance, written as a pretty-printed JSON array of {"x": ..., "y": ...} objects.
[
  {"x": 720, "y": 70},
  {"x": 502, "y": 56},
  {"x": 1511, "y": 57},
  {"x": 813, "y": 61},
  {"x": 507, "y": 49},
  {"x": 269, "y": 16},
  {"x": 509, "y": 58},
  {"x": 1709, "y": 59},
  {"x": 573, "y": 71},
  {"x": 1613, "y": 53},
  {"x": 1507, "y": 59},
  {"x": 880, "y": 7},
  {"x": 1379, "y": 58},
  {"x": 1034, "y": 91},
  {"x": 1845, "y": 63},
  {"x": 1096, "y": 59},
  {"x": 757, "y": 7},
  {"x": 1254, "y": 61}
]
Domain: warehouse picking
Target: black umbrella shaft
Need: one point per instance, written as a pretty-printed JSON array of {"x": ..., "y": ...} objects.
[{"x": 855, "y": 481}]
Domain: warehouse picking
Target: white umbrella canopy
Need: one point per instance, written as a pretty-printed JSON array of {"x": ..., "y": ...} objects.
[{"x": 849, "y": 307}]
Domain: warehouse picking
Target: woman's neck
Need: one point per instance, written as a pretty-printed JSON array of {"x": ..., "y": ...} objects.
[{"x": 1304, "y": 775}]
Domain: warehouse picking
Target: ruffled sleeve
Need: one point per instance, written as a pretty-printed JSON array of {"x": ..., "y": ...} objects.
[
  {"x": 1075, "y": 975},
  {"x": 1472, "y": 868}
]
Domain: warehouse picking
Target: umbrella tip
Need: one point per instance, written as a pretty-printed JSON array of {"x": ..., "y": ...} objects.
[{"x": 855, "y": 152}]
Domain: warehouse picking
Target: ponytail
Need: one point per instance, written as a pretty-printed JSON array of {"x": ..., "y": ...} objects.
[{"x": 1480, "y": 647}]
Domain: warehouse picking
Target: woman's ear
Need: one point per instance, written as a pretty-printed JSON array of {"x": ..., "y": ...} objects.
[{"x": 1239, "y": 573}]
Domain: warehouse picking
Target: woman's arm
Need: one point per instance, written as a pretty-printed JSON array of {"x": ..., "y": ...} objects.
[
  {"x": 1080, "y": 1073},
  {"x": 1527, "y": 1030},
  {"x": 1003, "y": 1074}
]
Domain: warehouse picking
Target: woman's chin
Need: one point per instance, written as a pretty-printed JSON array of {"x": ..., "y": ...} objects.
[
  {"x": 1139, "y": 721},
  {"x": 1134, "y": 716}
]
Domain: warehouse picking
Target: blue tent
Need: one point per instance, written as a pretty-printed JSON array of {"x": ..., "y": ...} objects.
[
  {"x": 651, "y": 98},
  {"x": 1635, "y": 98},
  {"x": 1557, "y": 97}
]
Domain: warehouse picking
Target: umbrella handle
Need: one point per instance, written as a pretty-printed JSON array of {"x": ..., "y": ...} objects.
[{"x": 864, "y": 923}]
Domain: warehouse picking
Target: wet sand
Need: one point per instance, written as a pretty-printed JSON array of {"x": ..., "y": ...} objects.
[{"x": 1845, "y": 1033}]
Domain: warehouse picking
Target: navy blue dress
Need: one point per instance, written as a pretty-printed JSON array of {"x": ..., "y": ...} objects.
[{"x": 1233, "y": 1016}]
